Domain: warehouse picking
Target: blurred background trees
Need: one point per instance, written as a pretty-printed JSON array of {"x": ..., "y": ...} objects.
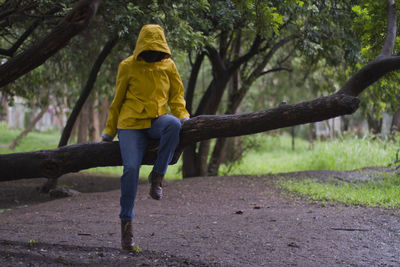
[{"x": 233, "y": 56}]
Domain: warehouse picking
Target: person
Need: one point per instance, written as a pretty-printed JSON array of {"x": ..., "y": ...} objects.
[{"x": 146, "y": 83}]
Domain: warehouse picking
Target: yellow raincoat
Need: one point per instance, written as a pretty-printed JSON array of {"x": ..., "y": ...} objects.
[{"x": 143, "y": 89}]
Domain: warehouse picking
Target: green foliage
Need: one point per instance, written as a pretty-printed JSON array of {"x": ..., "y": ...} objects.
[
  {"x": 370, "y": 26},
  {"x": 383, "y": 192}
]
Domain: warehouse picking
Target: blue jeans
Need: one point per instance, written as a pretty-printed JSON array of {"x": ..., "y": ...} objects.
[{"x": 133, "y": 144}]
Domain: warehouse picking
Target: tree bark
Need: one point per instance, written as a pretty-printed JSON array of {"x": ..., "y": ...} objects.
[
  {"x": 73, "y": 23},
  {"x": 4, "y": 107},
  {"x": 56, "y": 162},
  {"x": 83, "y": 124},
  {"x": 103, "y": 114},
  {"x": 28, "y": 128},
  {"x": 396, "y": 121},
  {"x": 94, "y": 131},
  {"x": 374, "y": 125}
]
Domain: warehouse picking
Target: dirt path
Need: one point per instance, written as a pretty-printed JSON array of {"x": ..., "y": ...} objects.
[{"x": 224, "y": 221}]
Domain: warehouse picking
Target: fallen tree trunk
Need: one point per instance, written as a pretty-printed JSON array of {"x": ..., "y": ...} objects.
[{"x": 56, "y": 162}]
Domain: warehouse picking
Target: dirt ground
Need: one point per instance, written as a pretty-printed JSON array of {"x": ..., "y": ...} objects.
[{"x": 207, "y": 221}]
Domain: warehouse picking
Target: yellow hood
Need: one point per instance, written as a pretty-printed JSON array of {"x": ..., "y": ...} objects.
[{"x": 151, "y": 37}]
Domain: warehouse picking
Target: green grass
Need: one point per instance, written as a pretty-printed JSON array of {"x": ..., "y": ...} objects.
[
  {"x": 32, "y": 142},
  {"x": 273, "y": 154},
  {"x": 384, "y": 192}
]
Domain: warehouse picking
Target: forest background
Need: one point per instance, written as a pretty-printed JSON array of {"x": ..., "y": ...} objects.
[{"x": 233, "y": 56}]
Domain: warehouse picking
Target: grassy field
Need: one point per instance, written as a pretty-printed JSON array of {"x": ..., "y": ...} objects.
[
  {"x": 384, "y": 192},
  {"x": 274, "y": 154},
  {"x": 269, "y": 154}
]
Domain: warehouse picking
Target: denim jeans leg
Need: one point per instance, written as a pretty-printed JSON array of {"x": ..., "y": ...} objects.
[
  {"x": 133, "y": 144},
  {"x": 167, "y": 129}
]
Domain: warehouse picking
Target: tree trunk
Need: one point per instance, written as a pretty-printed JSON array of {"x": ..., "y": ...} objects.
[
  {"x": 94, "y": 131},
  {"x": 311, "y": 135},
  {"x": 56, "y": 162},
  {"x": 217, "y": 157},
  {"x": 72, "y": 24},
  {"x": 396, "y": 121},
  {"x": 199, "y": 159},
  {"x": 375, "y": 126},
  {"x": 4, "y": 107},
  {"x": 28, "y": 128},
  {"x": 293, "y": 134},
  {"x": 83, "y": 125},
  {"x": 204, "y": 149},
  {"x": 103, "y": 114}
]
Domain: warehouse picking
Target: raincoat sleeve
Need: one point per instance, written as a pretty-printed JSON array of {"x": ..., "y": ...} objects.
[
  {"x": 120, "y": 91},
  {"x": 176, "y": 101}
]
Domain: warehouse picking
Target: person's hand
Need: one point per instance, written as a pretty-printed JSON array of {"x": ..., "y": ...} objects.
[
  {"x": 184, "y": 119},
  {"x": 106, "y": 138}
]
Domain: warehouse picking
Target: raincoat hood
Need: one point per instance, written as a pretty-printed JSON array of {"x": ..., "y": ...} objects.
[{"x": 151, "y": 37}]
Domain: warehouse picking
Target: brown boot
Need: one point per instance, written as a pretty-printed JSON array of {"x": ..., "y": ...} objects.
[
  {"x": 127, "y": 235},
  {"x": 156, "y": 180}
]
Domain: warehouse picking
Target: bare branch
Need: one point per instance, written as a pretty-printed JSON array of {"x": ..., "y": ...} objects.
[{"x": 275, "y": 70}]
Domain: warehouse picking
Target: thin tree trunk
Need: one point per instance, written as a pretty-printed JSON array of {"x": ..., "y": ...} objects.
[
  {"x": 311, "y": 134},
  {"x": 28, "y": 128},
  {"x": 94, "y": 132},
  {"x": 189, "y": 159},
  {"x": 204, "y": 149},
  {"x": 217, "y": 156},
  {"x": 292, "y": 133},
  {"x": 396, "y": 121},
  {"x": 192, "y": 81},
  {"x": 375, "y": 126},
  {"x": 103, "y": 114},
  {"x": 4, "y": 107},
  {"x": 83, "y": 126}
]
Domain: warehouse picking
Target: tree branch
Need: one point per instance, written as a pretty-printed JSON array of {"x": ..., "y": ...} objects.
[
  {"x": 215, "y": 59},
  {"x": 73, "y": 23},
  {"x": 274, "y": 70},
  {"x": 369, "y": 74},
  {"x": 253, "y": 50},
  {"x": 11, "y": 51}
]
